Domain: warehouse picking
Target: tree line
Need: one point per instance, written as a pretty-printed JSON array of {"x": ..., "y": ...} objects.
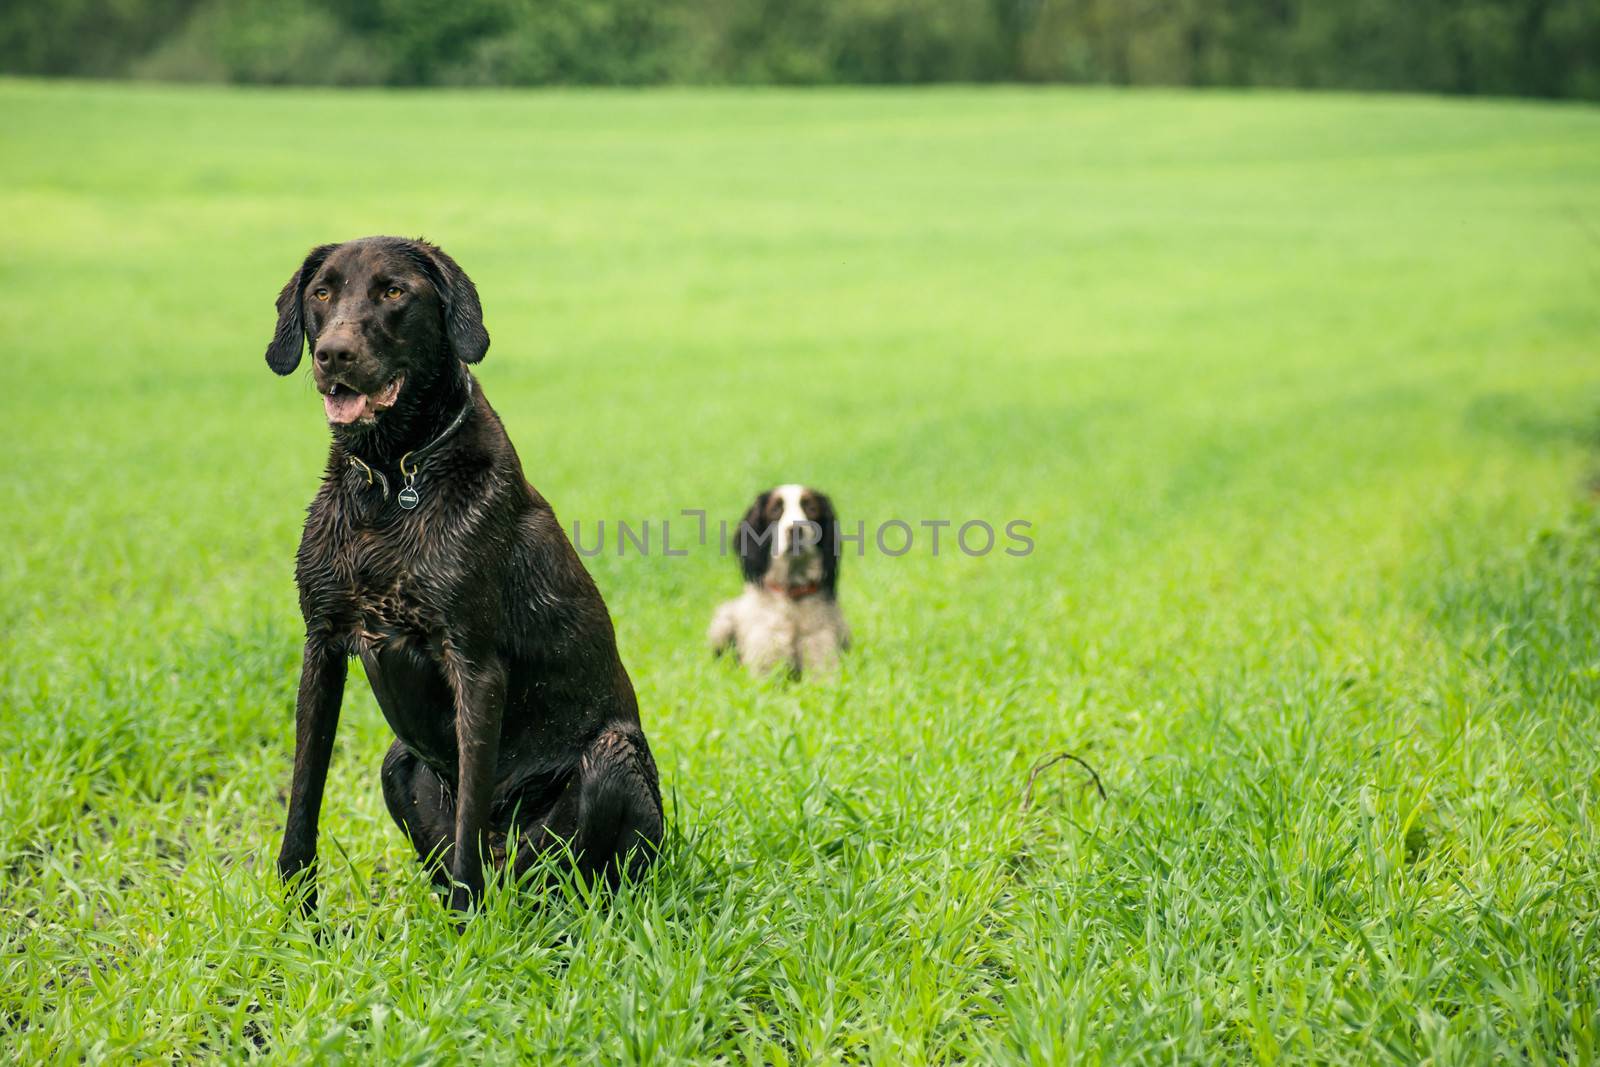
[{"x": 1511, "y": 47}]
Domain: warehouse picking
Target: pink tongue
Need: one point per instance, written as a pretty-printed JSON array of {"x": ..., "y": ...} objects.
[{"x": 347, "y": 407}]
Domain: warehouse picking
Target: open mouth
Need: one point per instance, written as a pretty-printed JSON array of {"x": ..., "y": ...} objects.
[{"x": 345, "y": 405}]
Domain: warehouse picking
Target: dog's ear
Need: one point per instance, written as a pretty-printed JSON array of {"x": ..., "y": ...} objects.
[
  {"x": 831, "y": 548},
  {"x": 463, "y": 314},
  {"x": 754, "y": 541},
  {"x": 289, "y": 339}
]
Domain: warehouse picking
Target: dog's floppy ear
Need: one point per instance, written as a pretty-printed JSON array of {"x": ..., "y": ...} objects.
[
  {"x": 831, "y": 548},
  {"x": 463, "y": 315},
  {"x": 289, "y": 339},
  {"x": 753, "y": 540}
]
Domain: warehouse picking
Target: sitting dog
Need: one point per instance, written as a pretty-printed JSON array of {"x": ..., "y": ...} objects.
[
  {"x": 789, "y": 614},
  {"x": 428, "y": 556}
]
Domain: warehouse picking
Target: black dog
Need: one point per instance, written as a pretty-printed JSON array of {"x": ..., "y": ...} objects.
[{"x": 428, "y": 555}]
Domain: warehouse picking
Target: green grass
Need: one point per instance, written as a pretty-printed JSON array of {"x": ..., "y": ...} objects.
[{"x": 1297, "y": 391}]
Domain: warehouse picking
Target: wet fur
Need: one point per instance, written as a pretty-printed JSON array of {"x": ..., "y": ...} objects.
[{"x": 486, "y": 643}]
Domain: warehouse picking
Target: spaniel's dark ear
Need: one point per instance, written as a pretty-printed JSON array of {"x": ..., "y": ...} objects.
[
  {"x": 831, "y": 548},
  {"x": 463, "y": 315},
  {"x": 289, "y": 339},
  {"x": 753, "y": 540}
]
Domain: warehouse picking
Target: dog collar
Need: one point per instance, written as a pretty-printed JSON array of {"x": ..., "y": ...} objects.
[
  {"x": 408, "y": 497},
  {"x": 795, "y": 592}
]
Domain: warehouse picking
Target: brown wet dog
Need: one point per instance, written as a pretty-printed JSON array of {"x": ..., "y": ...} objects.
[{"x": 428, "y": 556}]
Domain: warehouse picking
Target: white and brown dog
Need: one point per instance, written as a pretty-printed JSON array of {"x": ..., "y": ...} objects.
[{"x": 788, "y": 615}]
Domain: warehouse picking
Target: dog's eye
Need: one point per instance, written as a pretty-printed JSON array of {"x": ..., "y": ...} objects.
[
  {"x": 321, "y": 294},
  {"x": 393, "y": 292}
]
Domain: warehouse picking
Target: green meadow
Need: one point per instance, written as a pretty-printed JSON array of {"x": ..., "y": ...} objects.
[{"x": 1298, "y": 394}]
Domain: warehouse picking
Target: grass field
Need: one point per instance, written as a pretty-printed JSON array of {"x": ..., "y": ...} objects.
[{"x": 1298, "y": 393}]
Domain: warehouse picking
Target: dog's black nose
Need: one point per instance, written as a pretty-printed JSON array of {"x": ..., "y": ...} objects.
[{"x": 331, "y": 352}]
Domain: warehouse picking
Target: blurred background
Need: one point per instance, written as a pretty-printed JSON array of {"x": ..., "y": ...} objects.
[
  {"x": 1298, "y": 391},
  {"x": 1548, "y": 48}
]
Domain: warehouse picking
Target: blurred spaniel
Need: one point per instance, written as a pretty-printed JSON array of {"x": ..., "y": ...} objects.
[{"x": 788, "y": 615}]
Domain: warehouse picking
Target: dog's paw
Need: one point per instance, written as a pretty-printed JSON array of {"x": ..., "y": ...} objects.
[
  {"x": 299, "y": 876},
  {"x": 463, "y": 902}
]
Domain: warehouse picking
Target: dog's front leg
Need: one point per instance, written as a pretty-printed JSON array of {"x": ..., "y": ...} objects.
[
  {"x": 480, "y": 695},
  {"x": 316, "y": 720}
]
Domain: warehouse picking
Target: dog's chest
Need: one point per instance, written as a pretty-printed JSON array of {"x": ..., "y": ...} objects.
[
  {"x": 381, "y": 589},
  {"x": 777, "y": 621}
]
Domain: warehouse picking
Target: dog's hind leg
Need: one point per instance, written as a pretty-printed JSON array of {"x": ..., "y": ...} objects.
[
  {"x": 421, "y": 804},
  {"x": 610, "y": 816},
  {"x": 723, "y": 632}
]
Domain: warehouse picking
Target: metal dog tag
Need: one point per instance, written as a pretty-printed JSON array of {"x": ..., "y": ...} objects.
[{"x": 408, "y": 498}]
